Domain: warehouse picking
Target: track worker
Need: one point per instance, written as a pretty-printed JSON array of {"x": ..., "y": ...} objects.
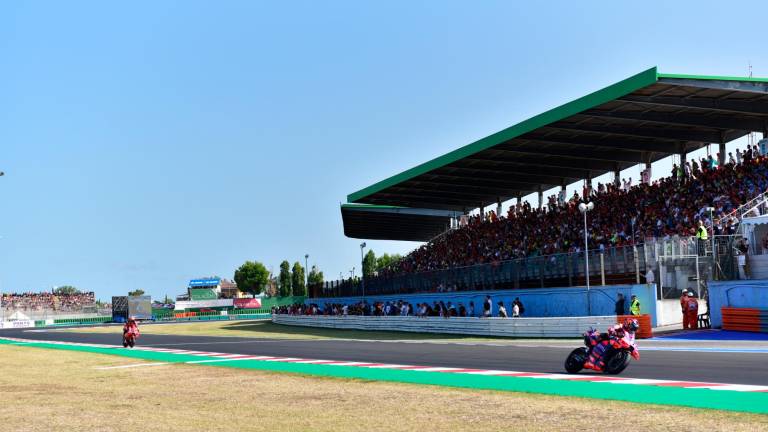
[
  {"x": 634, "y": 305},
  {"x": 683, "y": 302},
  {"x": 702, "y": 236},
  {"x": 691, "y": 315}
]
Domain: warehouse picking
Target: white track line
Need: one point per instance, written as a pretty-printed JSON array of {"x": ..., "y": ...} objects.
[
  {"x": 213, "y": 357},
  {"x": 133, "y": 366}
]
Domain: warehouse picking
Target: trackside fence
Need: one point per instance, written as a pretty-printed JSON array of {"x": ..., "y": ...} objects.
[{"x": 169, "y": 316}]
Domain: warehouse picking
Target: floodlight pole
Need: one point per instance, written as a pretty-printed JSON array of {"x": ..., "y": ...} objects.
[
  {"x": 714, "y": 252},
  {"x": 362, "y": 260},
  {"x": 2, "y": 308},
  {"x": 584, "y": 208}
]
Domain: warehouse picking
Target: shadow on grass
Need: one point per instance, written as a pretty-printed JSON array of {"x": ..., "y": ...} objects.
[{"x": 268, "y": 327}]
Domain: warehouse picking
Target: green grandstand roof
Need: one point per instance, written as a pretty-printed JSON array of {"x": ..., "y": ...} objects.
[
  {"x": 394, "y": 223},
  {"x": 643, "y": 118}
]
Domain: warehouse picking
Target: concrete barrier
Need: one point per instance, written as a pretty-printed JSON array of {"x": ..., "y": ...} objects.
[{"x": 511, "y": 327}]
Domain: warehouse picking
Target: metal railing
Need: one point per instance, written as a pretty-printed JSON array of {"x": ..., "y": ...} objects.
[
  {"x": 619, "y": 264},
  {"x": 756, "y": 205}
]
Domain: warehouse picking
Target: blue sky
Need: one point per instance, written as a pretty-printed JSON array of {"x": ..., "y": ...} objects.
[{"x": 147, "y": 143}]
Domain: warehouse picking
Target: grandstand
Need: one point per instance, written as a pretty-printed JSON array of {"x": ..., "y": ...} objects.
[
  {"x": 633, "y": 229},
  {"x": 39, "y": 305}
]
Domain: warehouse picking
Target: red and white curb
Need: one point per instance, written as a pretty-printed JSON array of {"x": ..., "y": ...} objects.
[{"x": 215, "y": 357}]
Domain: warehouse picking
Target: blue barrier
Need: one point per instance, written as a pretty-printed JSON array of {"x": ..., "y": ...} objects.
[
  {"x": 538, "y": 302},
  {"x": 739, "y": 294}
]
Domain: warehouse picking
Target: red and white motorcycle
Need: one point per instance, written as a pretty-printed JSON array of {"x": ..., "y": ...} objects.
[{"x": 606, "y": 352}]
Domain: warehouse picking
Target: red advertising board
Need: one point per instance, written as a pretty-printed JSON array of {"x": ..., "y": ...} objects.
[{"x": 248, "y": 303}]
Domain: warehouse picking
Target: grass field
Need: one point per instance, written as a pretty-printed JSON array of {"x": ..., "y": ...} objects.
[
  {"x": 43, "y": 390},
  {"x": 268, "y": 330}
]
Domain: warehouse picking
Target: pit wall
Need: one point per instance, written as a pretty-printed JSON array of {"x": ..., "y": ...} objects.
[
  {"x": 543, "y": 302},
  {"x": 740, "y": 294}
]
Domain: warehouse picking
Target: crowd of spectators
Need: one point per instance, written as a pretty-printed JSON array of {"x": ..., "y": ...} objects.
[
  {"x": 404, "y": 308},
  {"x": 31, "y": 301},
  {"x": 623, "y": 215}
]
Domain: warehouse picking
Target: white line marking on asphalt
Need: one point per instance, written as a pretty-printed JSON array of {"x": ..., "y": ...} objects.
[
  {"x": 160, "y": 345},
  {"x": 220, "y": 360},
  {"x": 641, "y": 381}
]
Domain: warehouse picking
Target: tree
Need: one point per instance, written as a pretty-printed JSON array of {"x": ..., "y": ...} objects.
[
  {"x": 369, "y": 263},
  {"x": 251, "y": 277},
  {"x": 284, "y": 279},
  {"x": 315, "y": 276},
  {"x": 271, "y": 290},
  {"x": 297, "y": 280},
  {"x": 66, "y": 290},
  {"x": 386, "y": 260},
  {"x": 134, "y": 293}
]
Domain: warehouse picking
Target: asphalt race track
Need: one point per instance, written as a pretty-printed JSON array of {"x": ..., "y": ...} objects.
[{"x": 718, "y": 367}]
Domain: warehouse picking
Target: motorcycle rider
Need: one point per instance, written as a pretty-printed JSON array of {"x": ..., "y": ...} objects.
[
  {"x": 131, "y": 325},
  {"x": 616, "y": 336}
]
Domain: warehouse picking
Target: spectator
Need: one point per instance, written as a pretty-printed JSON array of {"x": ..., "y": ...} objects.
[
  {"x": 520, "y": 308},
  {"x": 502, "y": 310},
  {"x": 665, "y": 208},
  {"x": 487, "y": 312},
  {"x": 620, "y": 304}
]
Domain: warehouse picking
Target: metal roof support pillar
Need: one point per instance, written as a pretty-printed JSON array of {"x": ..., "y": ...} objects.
[
  {"x": 683, "y": 155},
  {"x": 562, "y": 198},
  {"x": 647, "y": 172},
  {"x": 587, "y": 187},
  {"x": 498, "y": 206},
  {"x": 721, "y": 154},
  {"x": 482, "y": 211},
  {"x": 617, "y": 176},
  {"x": 541, "y": 197}
]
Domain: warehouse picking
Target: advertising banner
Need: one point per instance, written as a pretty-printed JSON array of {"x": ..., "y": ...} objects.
[
  {"x": 181, "y": 305},
  {"x": 248, "y": 303},
  {"x": 140, "y": 307},
  {"x": 206, "y": 282},
  {"x": 202, "y": 294},
  {"x": 18, "y": 324}
]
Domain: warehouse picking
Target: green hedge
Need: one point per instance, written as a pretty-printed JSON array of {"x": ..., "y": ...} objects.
[
  {"x": 268, "y": 302},
  {"x": 75, "y": 321}
]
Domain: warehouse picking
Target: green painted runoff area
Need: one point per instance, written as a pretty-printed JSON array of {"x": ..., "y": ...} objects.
[{"x": 754, "y": 402}]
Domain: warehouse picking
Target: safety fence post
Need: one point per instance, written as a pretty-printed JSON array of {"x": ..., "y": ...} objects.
[{"x": 602, "y": 268}]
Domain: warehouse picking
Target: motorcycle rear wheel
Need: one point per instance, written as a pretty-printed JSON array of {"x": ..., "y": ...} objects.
[
  {"x": 575, "y": 360},
  {"x": 616, "y": 361}
]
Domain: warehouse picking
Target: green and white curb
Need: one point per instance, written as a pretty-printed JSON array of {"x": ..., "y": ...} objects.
[{"x": 733, "y": 397}]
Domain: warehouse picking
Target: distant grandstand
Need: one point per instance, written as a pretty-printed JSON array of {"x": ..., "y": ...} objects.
[
  {"x": 47, "y": 304},
  {"x": 633, "y": 229}
]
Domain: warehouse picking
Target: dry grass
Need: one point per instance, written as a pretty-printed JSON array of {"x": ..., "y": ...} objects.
[
  {"x": 269, "y": 330},
  {"x": 44, "y": 390}
]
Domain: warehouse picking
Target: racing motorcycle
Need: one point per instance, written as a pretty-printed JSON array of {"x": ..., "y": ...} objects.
[
  {"x": 609, "y": 353},
  {"x": 130, "y": 336}
]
